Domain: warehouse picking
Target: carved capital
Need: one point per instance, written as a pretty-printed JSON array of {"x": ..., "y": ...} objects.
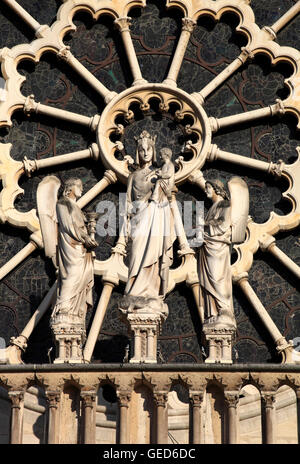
[
  {"x": 213, "y": 152},
  {"x": 64, "y": 53},
  {"x": 29, "y": 166},
  {"x": 188, "y": 24},
  {"x": 94, "y": 151},
  {"x": 37, "y": 240},
  {"x": 282, "y": 344},
  {"x": 198, "y": 178},
  {"x": 238, "y": 279},
  {"x": 110, "y": 176},
  {"x": 88, "y": 398},
  {"x": 16, "y": 397},
  {"x": 266, "y": 241},
  {"x": 124, "y": 397},
  {"x": 232, "y": 399},
  {"x": 53, "y": 398},
  {"x": 30, "y": 105},
  {"x": 94, "y": 122},
  {"x": 268, "y": 399},
  {"x": 42, "y": 31},
  {"x": 20, "y": 342},
  {"x": 160, "y": 398},
  {"x": 246, "y": 54},
  {"x": 214, "y": 124},
  {"x": 276, "y": 168},
  {"x": 277, "y": 109},
  {"x": 123, "y": 24},
  {"x": 270, "y": 32},
  {"x": 196, "y": 398}
]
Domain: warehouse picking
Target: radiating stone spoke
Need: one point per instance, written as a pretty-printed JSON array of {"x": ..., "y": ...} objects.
[
  {"x": 188, "y": 25},
  {"x": 108, "y": 178},
  {"x": 223, "y": 76},
  {"x": 123, "y": 25},
  {"x": 17, "y": 259},
  {"x": 31, "y": 106},
  {"x": 29, "y": 20},
  {"x": 97, "y": 321},
  {"x": 31, "y": 166},
  {"x": 270, "y": 168},
  {"x": 257, "y": 42},
  {"x": 66, "y": 55},
  {"x": 247, "y": 117},
  {"x": 285, "y": 19},
  {"x": 268, "y": 244},
  {"x": 282, "y": 345}
]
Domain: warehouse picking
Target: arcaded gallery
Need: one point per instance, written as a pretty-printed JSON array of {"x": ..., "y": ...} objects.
[{"x": 149, "y": 222}]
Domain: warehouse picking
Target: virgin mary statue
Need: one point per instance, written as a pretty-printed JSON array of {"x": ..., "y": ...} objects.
[{"x": 151, "y": 228}]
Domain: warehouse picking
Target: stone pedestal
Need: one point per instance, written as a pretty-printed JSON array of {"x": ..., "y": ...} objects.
[
  {"x": 69, "y": 334},
  {"x": 144, "y": 318},
  {"x": 219, "y": 335}
]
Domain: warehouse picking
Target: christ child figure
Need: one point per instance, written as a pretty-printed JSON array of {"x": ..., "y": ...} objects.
[{"x": 165, "y": 176}]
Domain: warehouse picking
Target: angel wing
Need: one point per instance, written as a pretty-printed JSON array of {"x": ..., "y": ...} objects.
[
  {"x": 239, "y": 195},
  {"x": 46, "y": 196}
]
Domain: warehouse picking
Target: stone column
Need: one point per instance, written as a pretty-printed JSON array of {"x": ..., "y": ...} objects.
[
  {"x": 137, "y": 344},
  {"x": 298, "y": 413},
  {"x": 145, "y": 325},
  {"x": 268, "y": 418},
  {"x": 267, "y": 243},
  {"x": 196, "y": 400},
  {"x": 161, "y": 399},
  {"x": 213, "y": 350},
  {"x": 88, "y": 401},
  {"x": 124, "y": 399},
  {"x": 53, "y": 398},
  {"x": 188, "y": 25},
  {"x": 282, "y": 345},
  {"x": 232, "y": 400},
  {"x": 98, "y": 320},
  {"x": 17, "y": 407},
  {"x": 151, "y": 344},
  {"x": 65, "y": 54},
  {"x": 22, "y": 13},
  {"x": 123, "y": 24}
]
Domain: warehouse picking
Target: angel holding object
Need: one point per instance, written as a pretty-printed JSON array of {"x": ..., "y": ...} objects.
[
  {"x": 69, "y": 242},
  {"x": 224, "y": 225}
]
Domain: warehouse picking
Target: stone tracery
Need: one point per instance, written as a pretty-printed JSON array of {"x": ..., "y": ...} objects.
[{"x": 259, "y": 40}]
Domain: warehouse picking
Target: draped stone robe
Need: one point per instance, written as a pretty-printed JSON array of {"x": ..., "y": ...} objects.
[
  {"x": 152, "y": 232},
  {"x": 214, "y": 260},
  {"x": 76, "y": 276}
]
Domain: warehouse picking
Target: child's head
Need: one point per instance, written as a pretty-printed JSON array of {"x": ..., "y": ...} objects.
[{"x": 165, "y": 153}]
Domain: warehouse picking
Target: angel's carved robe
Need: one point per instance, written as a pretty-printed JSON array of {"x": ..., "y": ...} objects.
[
  {"x": 76, "y": 277},
  {"x": 214, "y": 262}
]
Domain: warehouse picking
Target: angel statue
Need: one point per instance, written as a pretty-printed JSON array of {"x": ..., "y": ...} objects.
[
  {"x": 224, "y": 225},
  {"x": 69, "y": 242}
]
